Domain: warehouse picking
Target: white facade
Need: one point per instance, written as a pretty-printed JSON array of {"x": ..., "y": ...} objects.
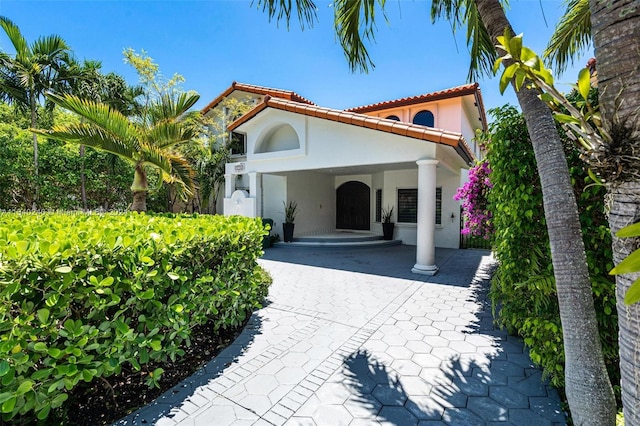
[{"x": 340, "y": 170}]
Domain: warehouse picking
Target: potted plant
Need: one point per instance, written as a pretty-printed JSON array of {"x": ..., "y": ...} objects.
[
  {"x": 387, "y": 225},
  {"x": 290, "y": 211}
]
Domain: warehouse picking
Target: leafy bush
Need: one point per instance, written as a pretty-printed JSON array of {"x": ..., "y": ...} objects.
[
  {"x": 523, "y": 289},
  {"x": 82, "y": 295}
]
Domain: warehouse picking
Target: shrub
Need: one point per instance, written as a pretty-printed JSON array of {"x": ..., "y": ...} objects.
[
  {"x": 523, "y": 289},
  {"x": 82, "y": 295}
]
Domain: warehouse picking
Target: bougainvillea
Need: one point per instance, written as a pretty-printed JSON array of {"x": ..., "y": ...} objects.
[{"x": 477, "y": 217}]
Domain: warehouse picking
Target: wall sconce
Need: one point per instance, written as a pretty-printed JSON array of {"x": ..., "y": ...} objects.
[{"x": 453, "y": 217}]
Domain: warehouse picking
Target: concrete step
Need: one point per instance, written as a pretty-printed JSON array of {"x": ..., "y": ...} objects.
[{"x": 333, "y": 244}]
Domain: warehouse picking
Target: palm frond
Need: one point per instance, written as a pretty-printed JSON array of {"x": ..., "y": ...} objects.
[
  {"x": 281, "y": 10},
  {"x": 110, "y": 120},
  {"x": 155, "y": 156},
  {"x": 355, "y": 24},
  {"x": 49, "y": 47},
  {"x": 172, "y": 106},
  {"x": 482, "y": 49},
  {"x": 169, "y": 134},
  {"x": 93, "y": 136},
  {"x": 463, "y": 13},
  {"x": 15, "y": 36},
  {"x": 182, "y": 175},
  {"x": 12, "y": 90},
  {"x": 571, "y": 36}
]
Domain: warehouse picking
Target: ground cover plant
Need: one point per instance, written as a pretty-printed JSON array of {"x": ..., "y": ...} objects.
[{"x": 84, "y": 297}]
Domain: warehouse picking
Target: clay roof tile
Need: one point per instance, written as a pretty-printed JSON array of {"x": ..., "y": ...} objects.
[{"x": 433, "y": 96}]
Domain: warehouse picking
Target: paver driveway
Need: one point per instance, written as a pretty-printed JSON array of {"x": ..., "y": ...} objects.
[{"x": 352, "y": 337}]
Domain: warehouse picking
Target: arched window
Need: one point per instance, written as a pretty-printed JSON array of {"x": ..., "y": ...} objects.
[
  {"x": 424, "y": 118},
  {"x": 393, "y": 117}
]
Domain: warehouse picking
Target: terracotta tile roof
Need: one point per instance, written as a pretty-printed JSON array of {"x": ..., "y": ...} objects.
[
  {"x": 467, "y": 89},
  {"x": 455, "y": 140},
  {"x": 258, "y": 90}
]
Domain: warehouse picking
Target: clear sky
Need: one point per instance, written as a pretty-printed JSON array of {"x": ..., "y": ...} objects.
[{"x": 214, "y": 42}]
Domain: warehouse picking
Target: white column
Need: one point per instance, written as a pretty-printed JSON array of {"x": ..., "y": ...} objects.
[
  {"x": 426, "y": 241},
  {"x": 255, "y": 191},
  {"x": 229, "y": 185}
]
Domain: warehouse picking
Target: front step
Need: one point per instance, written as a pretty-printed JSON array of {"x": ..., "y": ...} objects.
[{"x": 331, "y": 243}]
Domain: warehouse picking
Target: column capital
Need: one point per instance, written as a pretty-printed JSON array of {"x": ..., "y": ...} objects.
[{"x": 427, "y": 162}]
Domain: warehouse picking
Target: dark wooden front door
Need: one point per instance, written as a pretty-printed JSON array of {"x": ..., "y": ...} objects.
[{"x": 353, "y": 201}]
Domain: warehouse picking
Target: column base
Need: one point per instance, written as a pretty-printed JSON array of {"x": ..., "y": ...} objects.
[{"x": 424, "y": 269}]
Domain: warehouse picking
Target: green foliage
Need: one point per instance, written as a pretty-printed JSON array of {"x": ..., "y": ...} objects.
[
  {"x": 290, "y": 211},
  {"x": 630, "y": 264},
  {"x": 387, "y": 214},
  {"x": 571, "y": 36},
  {"x": 109, "y": 178},
  {"x": 523, "y": 287},
  {"x": 120, "y": 290},
  {"x": 580, "y": 117}
]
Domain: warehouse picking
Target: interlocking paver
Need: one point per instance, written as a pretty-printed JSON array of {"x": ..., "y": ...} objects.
[
  {"x": 389, "y": 416},
  {"x": 487, "y": 409},
  {"x": 353, "y": 338},
  {"x": 462, "y": 416}
]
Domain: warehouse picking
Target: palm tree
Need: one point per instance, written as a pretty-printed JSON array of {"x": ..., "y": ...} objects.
[
  {"x": 588, "y": 388},
  {"x": 144, "y": 140},
  {"x": 571, "y": 36},
  {"x": 24, "y": 78},
  {"x": 86, "y": 85},
  {"x": 615, "y": 28},
  {"x": 87, "y": 82},
  {"x": 615, "y": 31}
]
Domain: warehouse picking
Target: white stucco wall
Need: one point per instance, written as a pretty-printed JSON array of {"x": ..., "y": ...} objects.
[
  {"x": 321, "y": 140},
  {"x": 448, "y": 233},
  {"x": 274, "y": 193},
  {"x": 316, "y": 198},
  {"x": 377, "y": 182},
  {"x": 330, "y": 147}
]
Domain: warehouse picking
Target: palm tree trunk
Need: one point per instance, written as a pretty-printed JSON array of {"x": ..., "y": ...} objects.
[
  {"x": 139, "y": 189},
  {"x": 139, "y": 201},
  {"x": 625, "y": 210},
  {"x": 34, "y": 124},
  {"x": 83, "y": 190},
  {"x": 587, "y": 384},
  {"x": 616, "y": 39}
]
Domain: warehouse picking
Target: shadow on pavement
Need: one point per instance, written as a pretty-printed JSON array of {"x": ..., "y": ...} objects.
[
  {"x": 492, "y": 381},
  {"x": 391, "y": 261}
]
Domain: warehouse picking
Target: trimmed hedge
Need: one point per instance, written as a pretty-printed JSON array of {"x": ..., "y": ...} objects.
[
  {"x": 82, "y": 295},
  {"x": 523, "y": 289}
]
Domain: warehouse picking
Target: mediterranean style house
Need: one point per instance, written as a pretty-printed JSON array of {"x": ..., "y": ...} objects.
[{"x": 342, "y": 167}]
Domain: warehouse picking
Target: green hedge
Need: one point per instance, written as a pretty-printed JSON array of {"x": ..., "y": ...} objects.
[
  {"x": 523, "y": 290},
  {"x": 82, "y": 295}
]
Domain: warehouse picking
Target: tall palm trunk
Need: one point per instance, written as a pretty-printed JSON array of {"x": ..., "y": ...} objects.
[
  {"x": 83, "y": 189},
  {"x": 139, "y": 189},
  {"x": 587, "y": 384},
  {"x": 616, "y": 39},
  {"x": 34, "y": 124}
]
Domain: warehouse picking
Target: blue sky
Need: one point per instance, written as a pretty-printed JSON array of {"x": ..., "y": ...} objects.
[{"x": 214, "y": 42}]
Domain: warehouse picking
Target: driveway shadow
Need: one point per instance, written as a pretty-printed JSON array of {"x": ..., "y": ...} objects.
[
  {"x": 457, "y": 267},
  {"x": 483, "y": 376}
]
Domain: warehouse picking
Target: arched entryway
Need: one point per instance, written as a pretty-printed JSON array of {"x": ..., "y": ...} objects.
[{"x": 353, "y": 205}]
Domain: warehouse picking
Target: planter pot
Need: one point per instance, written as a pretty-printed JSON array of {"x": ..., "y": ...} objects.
[
  {"x": 287, "y": 230},
  {"x": 387, "y": 230},
  {"x": 266, "y": 240}
]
